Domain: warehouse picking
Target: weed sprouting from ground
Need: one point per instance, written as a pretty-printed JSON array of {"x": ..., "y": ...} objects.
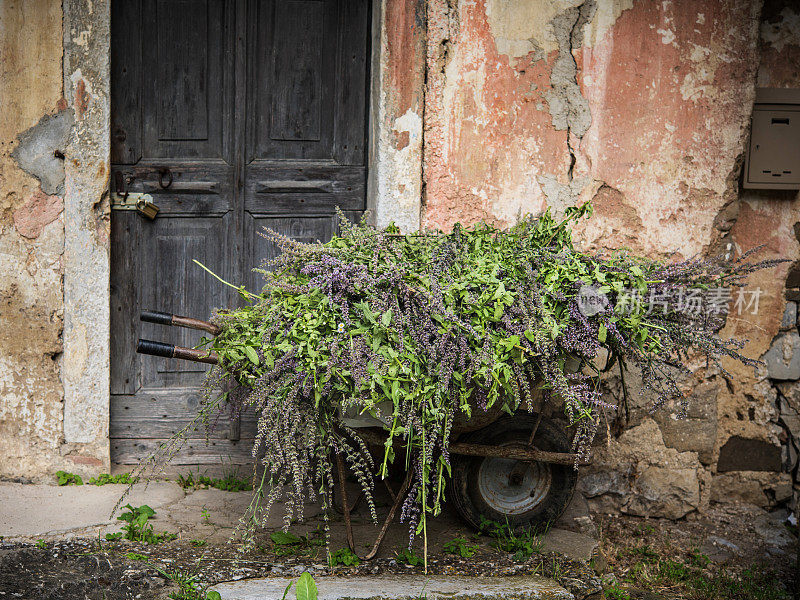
[
  {"x": 460, "y": 547},
  {"x": 230, "y": 482},
  {"x": 66, "y": 478},
  {"x": 344, "y": 557},
  {"x": 137, "y": 528},
  {"x": 105, "y": 478},
  {"x": 522, "y": 544}
]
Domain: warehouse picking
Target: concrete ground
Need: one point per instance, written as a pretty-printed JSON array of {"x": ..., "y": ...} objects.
[
  {"x": 31, "y": 512},
  {"x": 208, "y": 517},
  {"x": 401, "y": 587}
]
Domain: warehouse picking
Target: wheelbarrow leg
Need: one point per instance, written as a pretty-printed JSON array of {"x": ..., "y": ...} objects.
[
  {"x": 345, "y": 504},
  {"x": 390, "y": 517}
]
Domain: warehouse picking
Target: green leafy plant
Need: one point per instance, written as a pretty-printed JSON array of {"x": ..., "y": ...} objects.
[
  {"x": 230, "y": 482},
  {"x": 40, "y": 543},
  {"x": 698, "y": 559},
  {"x": 136, "y": 556},
  {"x": 285, "y": 543},
  {"x": 416, "y": 330},
  {"x": 522, "y": 545},
  {"x": 189, "y": 586},
  {"x": 407, "y": 556},
  {"x": 344, "y": 557},
  {"x": 614, "y": 592},
  {"x": 460, "y": 547},
  {"x": 105, "y": 478},
  {"x": 66, "y": 478},
  {"x": 198, "y": 543},
  {"x": 137, "y": 528},
  {"x": 305, "y": 589},
  {"x": 205, "y": 516}
]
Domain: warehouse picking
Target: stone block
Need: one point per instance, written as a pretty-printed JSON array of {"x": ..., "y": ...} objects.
[
  {"x": 793, "y": 278},
  {"x": 790, "y": 392},
  {"x": 783, "y": 357},
  {"x": 746, "y": 454},
  {"x": 597, "y": 484},
  {"x": 789, "y": 319},
  {"x": 697, "y": 432},
  {"x": 759, "y": 488},
  {"x": 663, "y": 492}
]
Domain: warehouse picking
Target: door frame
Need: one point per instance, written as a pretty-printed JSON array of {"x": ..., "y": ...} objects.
[{"x": 394, "y": 188}]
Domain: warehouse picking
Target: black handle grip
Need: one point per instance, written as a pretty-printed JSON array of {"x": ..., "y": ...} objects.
[
  {"x": 154, "y": 316},
  {"x": 155, "y": 348}
]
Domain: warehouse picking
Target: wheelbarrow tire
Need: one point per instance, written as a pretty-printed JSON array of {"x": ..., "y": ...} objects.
[{"x": 484, "y": 488}]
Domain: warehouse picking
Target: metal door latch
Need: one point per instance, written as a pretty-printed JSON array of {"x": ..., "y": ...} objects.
[{"x": 141, "y": 203}]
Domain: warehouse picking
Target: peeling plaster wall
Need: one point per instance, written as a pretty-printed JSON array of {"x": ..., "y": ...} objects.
[
  {"x": 397, "y": 112},
  {"x": 53, "y": 237},
  {"x": 644, "y": 107},
  {"x": 31, "y": 238}
]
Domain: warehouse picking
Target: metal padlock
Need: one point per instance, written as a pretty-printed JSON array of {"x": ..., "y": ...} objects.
[{"x": 145, "y": 206}]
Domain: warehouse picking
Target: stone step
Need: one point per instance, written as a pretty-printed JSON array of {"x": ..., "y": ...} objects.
[{"x": 403, "y": 587}]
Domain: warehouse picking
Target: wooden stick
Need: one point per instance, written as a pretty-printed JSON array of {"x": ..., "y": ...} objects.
[
  {"x": 518, "y": 452},
  {"x": 345, "y": 506},
  {"x": 398, "y": 500}
]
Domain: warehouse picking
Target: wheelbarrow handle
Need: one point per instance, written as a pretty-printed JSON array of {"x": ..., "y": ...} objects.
[
  {"x": 172, "y": 351},
  {"x": 163, "y": 318}
]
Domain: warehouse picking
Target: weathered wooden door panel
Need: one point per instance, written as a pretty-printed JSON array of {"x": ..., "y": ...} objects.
[
  {"x": 307, "y": 229},
  {"x": 232, "y": 115},
  {"x": 165, "y": 412},
  {"x": 175, "y": 284}
]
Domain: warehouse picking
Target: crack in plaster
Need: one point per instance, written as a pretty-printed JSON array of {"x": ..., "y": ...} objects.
[{"x": 568, "y": 107}]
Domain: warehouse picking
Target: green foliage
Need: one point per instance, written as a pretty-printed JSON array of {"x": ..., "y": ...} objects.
[
  {"x": 460, "y": 547},
  {"x": 285, "y": 543},
  {"x": 205, "y": 516},
  {"x": 614, "y": 592},
  {"x": 306, "y": 588},
  {"x": 755, "y": 583},
  {"x": 416, "y": 330},
  {"x": 40, "y": 543},
  {"x": 230, "y": 482},
  {"x": 65, "y": 478},
  {"x": 698, "y": 559},
  {"x": 137, "y": 528},
  {"x": 105, "y": 478},
  {"x": 407, "y": 556},
  {"x": 136, "y": 556},
  {"x": 522, "y": 544},
  {"x": 189, "y": 587},
  {"x": 344, "y": 557},
  {"x": 198, "y": 543}
]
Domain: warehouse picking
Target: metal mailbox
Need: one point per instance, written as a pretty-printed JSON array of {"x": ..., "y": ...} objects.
[{"x": 773, "y": 157}]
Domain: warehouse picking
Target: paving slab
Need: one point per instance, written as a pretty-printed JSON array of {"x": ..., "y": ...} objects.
[
  {"x": 403, "y": 587},
  {"x": 41, "y": 510}
]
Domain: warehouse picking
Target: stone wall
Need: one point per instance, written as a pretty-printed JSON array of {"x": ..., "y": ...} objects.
[{"x": 35, "y": 124}]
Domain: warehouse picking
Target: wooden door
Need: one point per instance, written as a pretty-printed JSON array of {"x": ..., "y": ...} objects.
[{"x": 233, "y": 115}]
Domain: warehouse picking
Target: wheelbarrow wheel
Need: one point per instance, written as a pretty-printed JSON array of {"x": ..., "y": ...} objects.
[{"x": 524, "y": 494}]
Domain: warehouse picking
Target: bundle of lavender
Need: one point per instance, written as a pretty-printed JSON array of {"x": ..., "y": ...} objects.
[{"x": 436, "y": 322}]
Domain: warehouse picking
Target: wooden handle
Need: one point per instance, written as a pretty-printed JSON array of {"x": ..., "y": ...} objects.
[
  {"x": 162, "y": 318},
  {"x": 171, "y": 351}
]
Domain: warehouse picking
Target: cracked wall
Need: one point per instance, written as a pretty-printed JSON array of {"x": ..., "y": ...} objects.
[
  {"x": 31, "y": 236},
  {"x": 53, "y": 162},
  {"x": 643, "y": 107}
]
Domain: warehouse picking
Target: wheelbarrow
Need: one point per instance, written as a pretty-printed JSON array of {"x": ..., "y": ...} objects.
[{"x": 510, "y": 469}]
